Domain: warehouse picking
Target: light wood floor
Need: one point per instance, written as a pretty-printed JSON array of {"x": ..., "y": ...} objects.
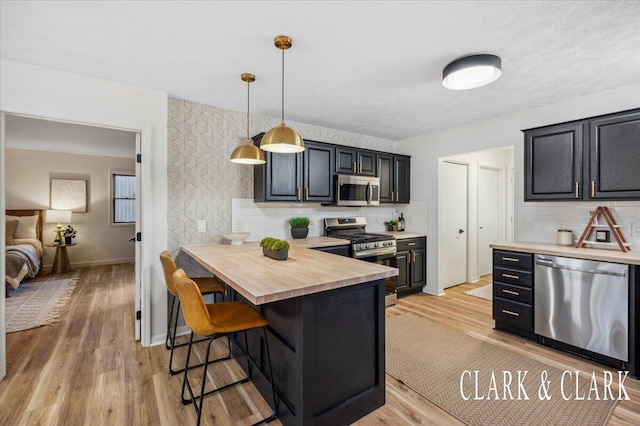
[{"x": 87, "y": 369}]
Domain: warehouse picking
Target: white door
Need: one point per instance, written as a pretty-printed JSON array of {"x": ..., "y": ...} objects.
[
  {"x": 454, "y": 224},
  {"x": 488, "y": 216},
  {"x": 138, "y": 244}
]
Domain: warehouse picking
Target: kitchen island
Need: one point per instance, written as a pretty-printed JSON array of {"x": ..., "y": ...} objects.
[{"x": 326, "y": 327}]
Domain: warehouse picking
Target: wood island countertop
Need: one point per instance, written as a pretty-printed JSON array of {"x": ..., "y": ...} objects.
[
  {"x": 261, "y": 279},
  {"x": 629, "y": 258}
]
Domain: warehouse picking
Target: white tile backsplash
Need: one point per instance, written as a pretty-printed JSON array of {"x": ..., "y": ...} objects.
[{"x": 539, "y": 221}]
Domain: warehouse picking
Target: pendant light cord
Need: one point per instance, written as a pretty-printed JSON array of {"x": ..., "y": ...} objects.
[
  {"x": 283, "y": 85},
  {"x": 248, "y": 115}
]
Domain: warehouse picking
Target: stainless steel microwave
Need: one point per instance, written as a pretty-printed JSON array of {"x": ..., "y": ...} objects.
[{"x": 357, "y": 191}]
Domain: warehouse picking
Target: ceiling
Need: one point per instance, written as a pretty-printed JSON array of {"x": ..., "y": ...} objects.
[{"x": 368, "y": 67}]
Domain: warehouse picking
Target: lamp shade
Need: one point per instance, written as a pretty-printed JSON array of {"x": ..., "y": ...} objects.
[
  {"x": 58, "y": 216},
  {"x": 471, "y": 72},
  {"x": 282, "y": 139},
  {"x": 247, "y": 153}
]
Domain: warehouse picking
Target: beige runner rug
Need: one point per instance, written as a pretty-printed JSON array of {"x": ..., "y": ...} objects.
[
  {"x": 433, "y": 361},
  {"x": 484, "y": 292},
  {"x": 37, "y": 303}
]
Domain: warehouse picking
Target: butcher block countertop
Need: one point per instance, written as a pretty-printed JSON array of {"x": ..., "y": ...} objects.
[
  {"x": 261, "y": 279},
  {"x": 616, "y": 256},
  {"x": 403, "y": 235}
]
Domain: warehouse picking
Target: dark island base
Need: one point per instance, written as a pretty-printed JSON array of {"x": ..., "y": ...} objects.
[{"x": 327, "y": 351}]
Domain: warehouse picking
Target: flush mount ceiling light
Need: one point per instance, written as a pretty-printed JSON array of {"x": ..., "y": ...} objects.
[
  {"x": 248, "y": 153},
  {"x": 281, "y": 138},
  {"x": 471, "y": 72}
]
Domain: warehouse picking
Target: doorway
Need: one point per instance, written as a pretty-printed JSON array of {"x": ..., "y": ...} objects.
[
  {"x": 489, "y": 217},
  {"x": 107, "y": 147},
  {"x": 454, "y": 195}
]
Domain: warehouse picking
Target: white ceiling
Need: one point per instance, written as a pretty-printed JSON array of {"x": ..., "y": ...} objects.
[
  {"x": 43, "y": 135},
  {"x": 368, "y": 67}
]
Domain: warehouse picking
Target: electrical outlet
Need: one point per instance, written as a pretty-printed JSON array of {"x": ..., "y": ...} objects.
[
  {"x": 202, "y": 226},
  {"x": 635, "y": 229}
]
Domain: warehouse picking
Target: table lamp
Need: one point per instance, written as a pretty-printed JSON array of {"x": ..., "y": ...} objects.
[{"x": 59, "y": 217}]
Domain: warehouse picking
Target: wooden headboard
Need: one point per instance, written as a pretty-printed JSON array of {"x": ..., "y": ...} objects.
[{"x": 40, "y": 214}]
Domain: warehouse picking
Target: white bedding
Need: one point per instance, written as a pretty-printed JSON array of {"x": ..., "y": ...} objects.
[
  {"x": 28, "y": 252},
  {"x": 34, "y": 242}
]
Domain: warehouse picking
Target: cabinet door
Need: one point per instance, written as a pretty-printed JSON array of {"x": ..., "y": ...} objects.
[
  {"x": 366, "y": 163},
  {"x": 402, "y": 175},
  {"x": 402, "y": 263},
  {"x": 346, "y": 161},
  {"x": 418, "y": 267},
  {"x": 385, "y": 173},
  {"x": 553, "y": 163},
  {"x": 318, "y": 172},
  {"x": 615, "y": 157},
  {"x": 283, "y": 177}
]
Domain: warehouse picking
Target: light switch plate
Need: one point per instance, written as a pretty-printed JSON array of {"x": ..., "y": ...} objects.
[{"x": 202, "y": 226}]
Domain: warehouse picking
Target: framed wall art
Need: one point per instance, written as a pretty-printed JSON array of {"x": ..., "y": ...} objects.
[{"x": 69, "y": 194}]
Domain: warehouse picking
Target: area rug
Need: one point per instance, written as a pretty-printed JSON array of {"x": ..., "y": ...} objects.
[
  {"x": 37, "y": 303},
  {"x": 484, "y": 292},
  {"x": 440, "y": 365}
]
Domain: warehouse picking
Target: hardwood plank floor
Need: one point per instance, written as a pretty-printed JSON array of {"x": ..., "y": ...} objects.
[{"x": 88, "y": 369}]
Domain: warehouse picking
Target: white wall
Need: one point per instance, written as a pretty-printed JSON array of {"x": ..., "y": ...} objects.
[
  {"x": 52, "y": 94},
  {"x": 499, "y": 132},
  {"x": 28, "y": 175}
]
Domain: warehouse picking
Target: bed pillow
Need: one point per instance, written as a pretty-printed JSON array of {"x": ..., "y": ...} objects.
[
  {"x": 26, "y": 226},
  {"x": 11, "y": 229}
]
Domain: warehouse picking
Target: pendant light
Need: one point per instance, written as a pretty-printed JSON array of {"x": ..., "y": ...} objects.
[
  {"x": 281, "y": 138},
  {"x": 248, "y": 153},
  {"x": 471, "y": 71}
]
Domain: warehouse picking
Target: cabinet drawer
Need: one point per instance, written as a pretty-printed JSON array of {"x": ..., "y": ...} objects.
[
  {"x": 512, "y": 259},
  {"x": 512, "y": 276},
  {"x": 515, "y": 313},
  {"x": 512, "y": 292},
  {"x": 410, "y": 244}
]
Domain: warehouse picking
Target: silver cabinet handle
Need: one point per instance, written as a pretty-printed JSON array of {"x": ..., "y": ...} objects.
[
  {"x": 577, "y": 189},
  {"x": 306, "y": 193},
  {"x": 515, "y": 314},
  {"x": 515, "y": 277},
  {"x": 515, "y": 293},
  {"x": 297, "y": 193},
  {"x": 397, "y": 196},
  {"x": 593, "y": 189},
  {"x": 360, "y": 171},
  {"x": 392, "y": 194},
  {"x": 511, "y": 259},
  {"x": 411, "y": 244}
]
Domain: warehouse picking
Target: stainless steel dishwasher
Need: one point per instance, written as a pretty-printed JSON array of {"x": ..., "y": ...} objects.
[{"x": 583, "y": 303}]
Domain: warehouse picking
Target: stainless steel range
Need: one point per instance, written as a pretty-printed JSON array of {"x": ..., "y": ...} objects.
[{"x": 378, "y": 248}]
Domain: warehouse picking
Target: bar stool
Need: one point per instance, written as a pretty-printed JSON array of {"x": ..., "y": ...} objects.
[
  {"x": 206, "y": 285},
  {"x": 214, "y": 321}
]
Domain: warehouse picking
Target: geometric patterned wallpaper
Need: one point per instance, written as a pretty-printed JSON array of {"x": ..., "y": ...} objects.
[{"x": 202, "y": 181}]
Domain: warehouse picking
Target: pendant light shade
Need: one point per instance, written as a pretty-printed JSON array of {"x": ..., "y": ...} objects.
[
  {"x": 282, "y": 139},
  {"x": 248, "y": 153},
  {"x": 471, "y": 72}
]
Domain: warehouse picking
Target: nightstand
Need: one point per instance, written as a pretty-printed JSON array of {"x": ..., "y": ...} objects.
[{"x": 61, "y": 261}]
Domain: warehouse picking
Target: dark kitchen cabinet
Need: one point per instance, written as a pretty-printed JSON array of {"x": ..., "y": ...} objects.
[
  {"x": 305, "y": 176},
  {"x": 394, "y": 173},
  {"x": 590, "y": 159},
  {"x": 553, "y": 162},
  {"x": 411, "y": 261},
  {"x": 614, "y": 171},
  {"x": 355, "y": 162}
]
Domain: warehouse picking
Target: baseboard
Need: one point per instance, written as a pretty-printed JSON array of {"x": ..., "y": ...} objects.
[
  {"x": 97, "y": 262},
  {"x": 474, "y": 279},
  {"x": 431, "y": 292}
]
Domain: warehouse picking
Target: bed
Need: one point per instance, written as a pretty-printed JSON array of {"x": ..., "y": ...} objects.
[{"x": 24, "y": 248}]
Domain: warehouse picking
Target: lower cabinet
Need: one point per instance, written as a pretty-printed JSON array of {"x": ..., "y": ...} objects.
[
  {"x": 513, "y": 292},
  {"x": 411, "y": 261}
]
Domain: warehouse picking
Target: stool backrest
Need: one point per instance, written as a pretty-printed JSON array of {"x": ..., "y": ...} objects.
[
  {"x": 169, "y": 267},
  {"x": 194, "y": 309}
]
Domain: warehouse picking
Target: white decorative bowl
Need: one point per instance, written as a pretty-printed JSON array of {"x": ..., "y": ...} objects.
[{"x": 237, "y": 238}]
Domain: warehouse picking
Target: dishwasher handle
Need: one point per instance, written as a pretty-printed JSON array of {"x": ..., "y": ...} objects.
[{"x": 551, "y": 264}]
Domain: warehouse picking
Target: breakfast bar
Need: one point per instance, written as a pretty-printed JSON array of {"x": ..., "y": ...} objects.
[{"x": 326, "y": 327}]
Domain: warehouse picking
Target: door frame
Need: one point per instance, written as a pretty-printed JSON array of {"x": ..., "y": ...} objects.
[
  {"x": 502, "y": 206},
  {"x": 145, "y": 177},
  {"x": 441, "y": 214}
]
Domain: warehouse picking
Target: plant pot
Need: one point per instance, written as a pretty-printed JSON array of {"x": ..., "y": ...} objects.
[
  {"x": 68, "y": 240},
  {"x": 276, "y": 254},
  {"x": 299, "y": 232}
]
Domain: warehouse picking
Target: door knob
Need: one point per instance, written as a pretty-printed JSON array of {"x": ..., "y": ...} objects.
[
  {"x": 460, "y": 231},
  {"x": 132, "y": 239}
]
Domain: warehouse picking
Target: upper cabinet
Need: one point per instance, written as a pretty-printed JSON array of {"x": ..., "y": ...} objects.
[
  {"x": 306, "y": 176},
  {"x": 591, "y": 159},
  {"x": 394, "y": 174},
  {"x": 350, "y": 161}
]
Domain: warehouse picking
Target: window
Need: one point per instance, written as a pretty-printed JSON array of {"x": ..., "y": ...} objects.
[{"x": 123, "y": 195}]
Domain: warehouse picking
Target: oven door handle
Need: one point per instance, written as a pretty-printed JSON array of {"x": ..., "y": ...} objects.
[{"x": 369, "y": 193}]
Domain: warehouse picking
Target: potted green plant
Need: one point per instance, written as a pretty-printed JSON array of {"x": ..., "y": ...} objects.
[
  {"x": 299, "y": 226},
  {"x": 392, "y": 225},
  {"x": 69, "y": 234},
  {"x": 274, "y": 248}
]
